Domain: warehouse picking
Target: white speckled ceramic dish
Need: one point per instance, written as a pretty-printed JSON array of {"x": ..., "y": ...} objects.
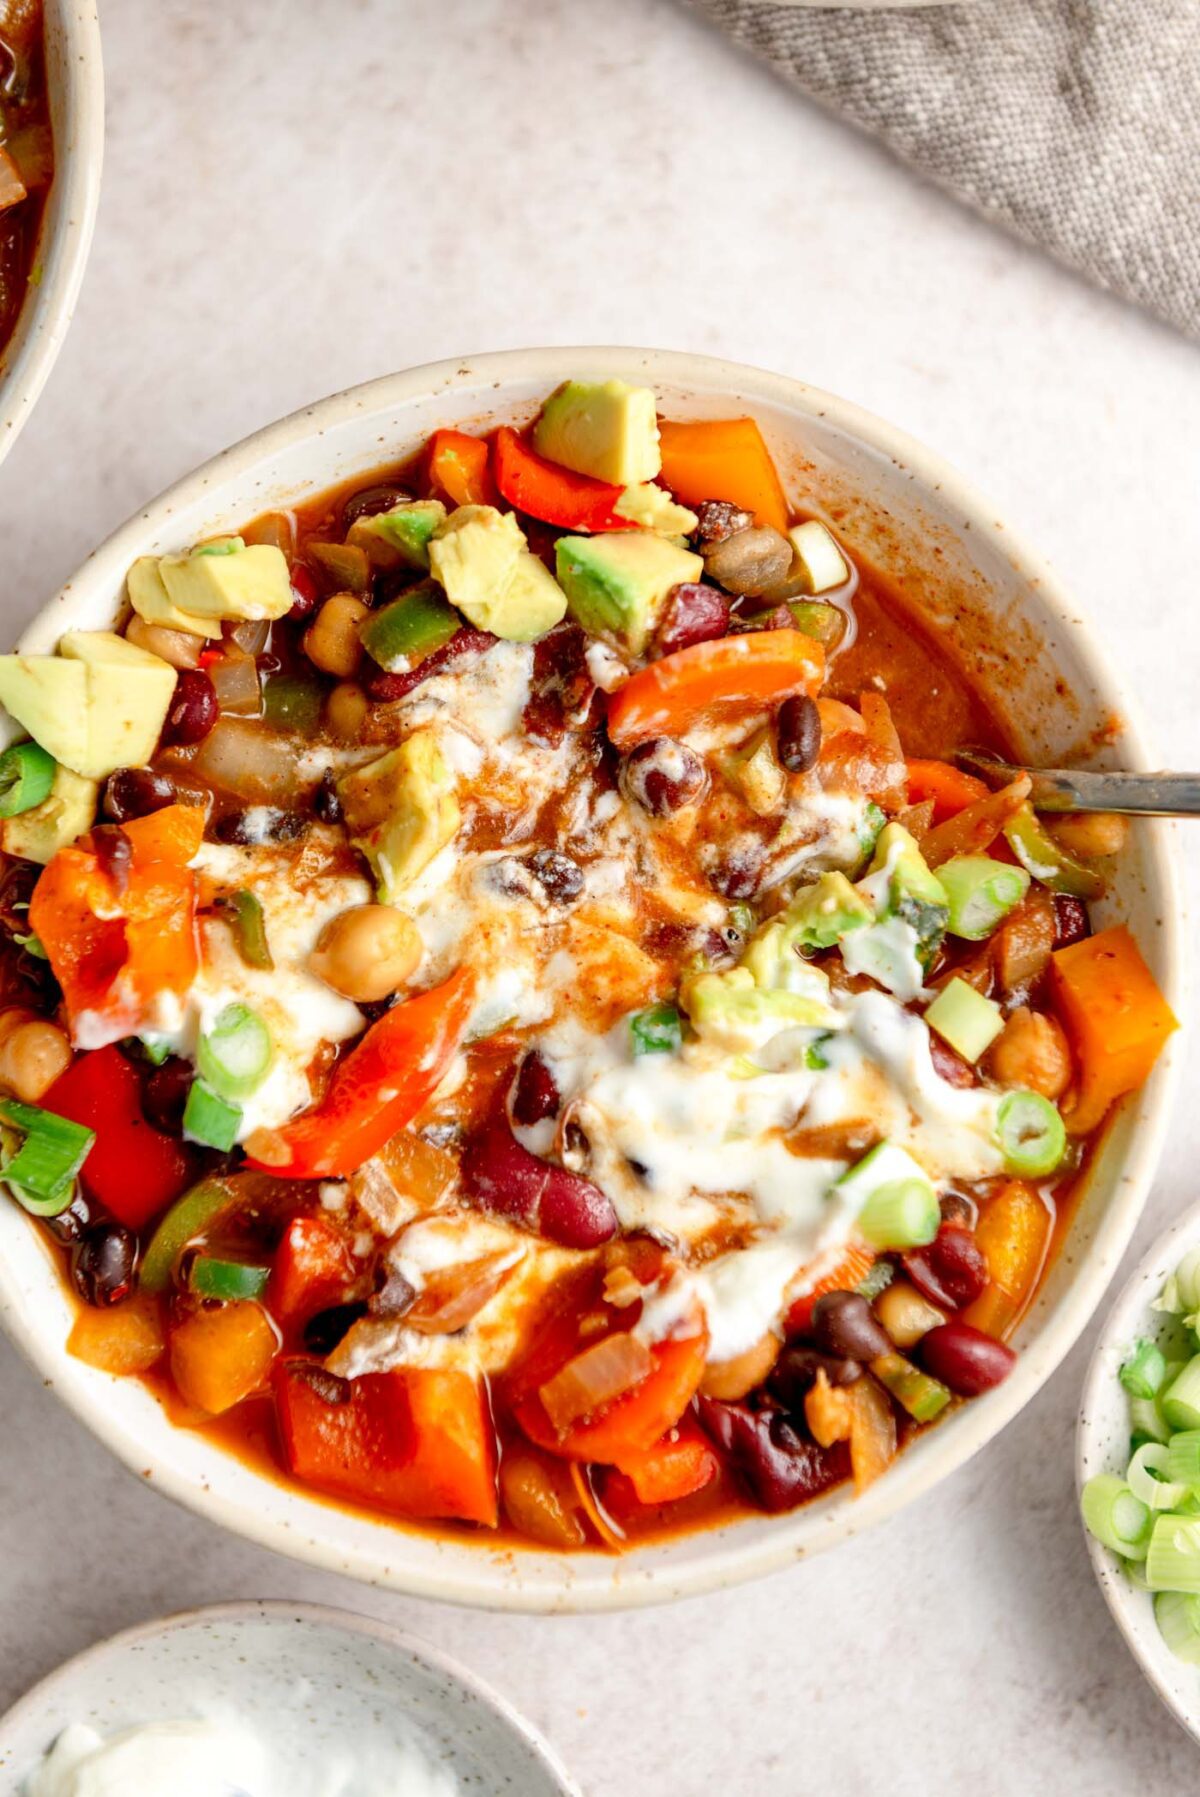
[
  {"x": 1016, "y": 631},
  {"x": 1102, "y": 1445},
  {"x": 75, "y": 78},
  {"x": 325, "y": 1677}
]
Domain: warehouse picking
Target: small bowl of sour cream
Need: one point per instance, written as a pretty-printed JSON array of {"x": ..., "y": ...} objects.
[{"x": 269, "y": 1700}]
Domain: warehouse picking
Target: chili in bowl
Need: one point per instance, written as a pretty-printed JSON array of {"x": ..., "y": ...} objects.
[{"x": 516, "y": 1025}]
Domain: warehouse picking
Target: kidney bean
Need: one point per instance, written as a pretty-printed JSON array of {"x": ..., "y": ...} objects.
[
  {"x": 386, "y": 688},
  {"x": 694, "y": 613},
  {"x": 323, "y": 1332},
  {"x": 306, "y": 594},
  {"x": 950, "y": 1066},
  {"x": 716, "y": 519},
  {"x": 165, "y": 1094},
  {"x": 958, "y": 1210},
  {"x": 193, "y": 708},
  {"x": 535, "y": 1093},
  {"x": 560, "y": 878},
  {"x": 738, "y": 875},
  {"x": 136, "y": 792},
  {"x": 844, "y": 1324},
  {"x": 795, "y": 1372},
  {"x": 103, "y": 1263},
  {"x": 269, "y": 824},
  {"x": 750, "y": 561},
  {"x": 114, "y": 853},
  {"x": 798, "y": 726},
  {"x": 552, "y": 1201},
  {"x": 663, "y": 776},
  {"x": 1071, "y": 920},
  {"x": 965, "y": 1359},
  {"x": 951, "y": 1271},
  {"x": 782, "y": 1467},
  {"x": 368, "y": 502}
]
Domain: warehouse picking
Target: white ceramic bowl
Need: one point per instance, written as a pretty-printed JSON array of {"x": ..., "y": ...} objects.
[
  {"x": 75, "y": 76},
  {"x": 1102, "y": 1446},
  {"x": 912, "y": 515},
  {"x": 316, "y": 1677}
]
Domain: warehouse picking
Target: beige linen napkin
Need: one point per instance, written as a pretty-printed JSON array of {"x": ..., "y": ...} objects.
[{"x": 1076, "y": 123}]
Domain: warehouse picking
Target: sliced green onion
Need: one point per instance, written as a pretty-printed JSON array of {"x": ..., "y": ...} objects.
[
  {"x": 902, "y": 1214},
  {"x": 291, "y": 703},
  {"x": 1187, "y": 1282},
  {"x": 1146, "y": 1418},
  {"x": 922, "y": 1397},
  {"x": 981, "y": 892},
  {"x": 208, "y": 1119},
  {"x": 228, "y": 1280},
  {"x": 45, "y": 1165},
  {"x": 186, "y": 1220},
  {"x": 1115, "y": 1517},
  {"x": 1147, "y": 1478},
  {"x": 1046, "y": 860},
  {"x": 153, "y": 1052},
  {"x": 1180, "y": 1402},
  {"x": 245, "y": 914},
  {"x": 1032, "y": 1135},
  {"x": 656, "y": 1030},
  {"x": 1177, "y": 1614},
  {"x": 1183, "y": 1459},
  {"x": 876, "y": 1281},
  {"x": 1173, "y": 1559},
  {"x": 32, "y": 945},
  {"x": 1143, "y": 1373},
  {"x": 815, "y": 1058},
  {"x": 234, "y": 1055},
  {"x": 26, "y": 776},
  {"x": 1135, "y": 1572}
]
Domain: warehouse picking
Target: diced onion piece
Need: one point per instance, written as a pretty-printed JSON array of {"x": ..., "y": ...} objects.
[
  {"x": 234, "y": 1055},
  {"x": 1118, "y": 1519},
  {"x": 249, "y": 761},
  {"x": 817, "y": 559},
  {"x": 1031, "y": 1134},
  {"x": 595, "y": 1377},
  {"x": 236, "y": 684}
]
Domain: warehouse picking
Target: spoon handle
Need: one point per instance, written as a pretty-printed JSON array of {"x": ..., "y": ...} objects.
[{"x": 1073, "y": 789}]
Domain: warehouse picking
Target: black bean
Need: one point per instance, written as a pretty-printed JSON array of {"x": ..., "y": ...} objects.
[
  {"x": 368, "y": 502},
  {"x": 326, "y": 803},
  {"x": 738, "y": 875},
  {"x": 843, "y": 1323},
  {"x": 193, "y": 709},
  {"x": 136, "y": 792},
  {"x": 165, "y": 1094},
  {"x": 329, "y": 1386},
  {"x": 267, "y": 823},
  {"x": 663, "y": 776},
  {"x": 323, "y": 1332},
  {"x": 560, "y": 878},
  {"x": 70, "y": 1224},
  {"x": 795, "y": 1372},
  {"x": 395, "y": 1297},
  {"x": 104, "y": 1262},
  {"x": 535, "y": 1093},
  {"x": 799, "y": 729}
]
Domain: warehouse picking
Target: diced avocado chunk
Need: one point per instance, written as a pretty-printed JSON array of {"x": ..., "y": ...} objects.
[
  {"x": 479, "y": 556},
  {"x": 400, "y": 635},
  {"x": 227, "y": 579},
  {"x": 70, "y": 809},
  {"x": 151, "y": 601},
  {"x": 730, "y": 1010},
  {"x": 100, "y": 704},
  {"x": 653, "y": 508},
  {"x": 399, "y": 538},
  {"x": 603, "y": 428},
  {"x": 965, "y": 1019},
  {"x": 818, "y": 917},
  {"x": 755, "y": 771},
  {"x": 616, "y": 585},
  {"x": 401, "y": 810},
  {"x": 902, "y": 886}
]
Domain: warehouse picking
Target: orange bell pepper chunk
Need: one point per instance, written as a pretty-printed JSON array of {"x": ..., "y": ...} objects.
[
  {"x": 635, "y": 1421},
  {"x": 760, "y": 668},
  {"x": 115, "y": 952},
  {"x": 376, "y": 1090},
  {"x": 313, "y": 1269},
  {"x": 723, "y": 458},
  {"x": 554, "y": 494},
  {"x": 680, "y": 1464},
  {"x": 949, "y": 788},
  {"x": 219, "y": 1357},
  {"x": 850, "y": 1271},
  {"x": 128, "y": 1338},
  {"x": 417, "y": 1441},
  {"x": 457, "y": 465},
  {"x": 1116, "y": 1017},
  {"x": 1014, "y": 1234}
]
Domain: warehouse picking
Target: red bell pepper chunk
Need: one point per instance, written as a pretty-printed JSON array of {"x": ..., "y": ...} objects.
[
  {"x": 376, "y": 1090},
  {"x": 555, "y": 495},
  {"x": 417, "y": 1441},
  {"x": 681, "y": 1463},
  {"x": 313, "y": 1269},
  {"x": 132, "y": 1168}
]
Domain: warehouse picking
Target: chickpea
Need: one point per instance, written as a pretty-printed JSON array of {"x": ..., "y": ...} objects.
[
  {"x": 331, "y": 640},
  {"x": 1090, "y": 833},
  {"x": 346, "y": 710},
  {"x": 179, "y": 647},
  {"x": 1031, "y": 1051},
  {"x": 732, "y": 1379},
  {"x": 367, "y": 952},
  {"x": 905, "y": 1314},
  {"x": 33, "y": 1053}
]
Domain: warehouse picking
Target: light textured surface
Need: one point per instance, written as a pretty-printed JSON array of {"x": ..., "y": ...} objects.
[
  {"x": 1076, "y": 123},
  {"x": 311, "y": 195}
]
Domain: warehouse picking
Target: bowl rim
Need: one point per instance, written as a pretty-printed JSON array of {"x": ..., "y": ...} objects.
[
  {"x": 633, "y": 1582},
  {"x": 284, "y": 1612},
  {"x": 76, "y": 78},
  {"x": 1131, "y": 1609}
]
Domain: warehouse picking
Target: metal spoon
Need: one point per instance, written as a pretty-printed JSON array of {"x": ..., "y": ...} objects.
[{"x": 1072, "y": 789}]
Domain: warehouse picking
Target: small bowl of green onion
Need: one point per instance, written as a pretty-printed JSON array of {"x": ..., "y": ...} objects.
[{"x": 1138, "y": 1466}]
